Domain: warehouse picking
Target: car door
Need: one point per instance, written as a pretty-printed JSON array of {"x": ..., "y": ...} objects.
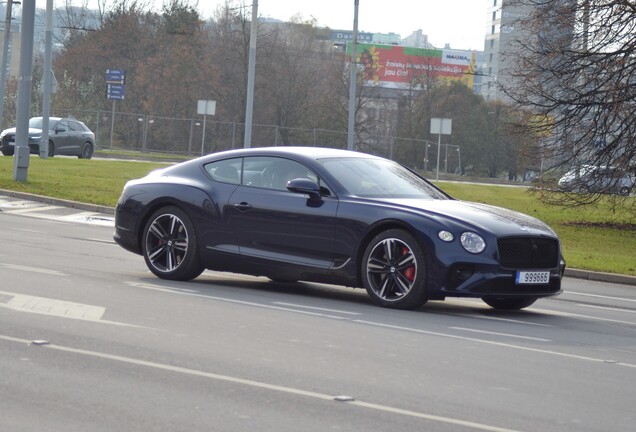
[
  {"x": 76, "y": 137},
  {"x": 61, "y": 137},
  {"x": 277, "y": 227}
]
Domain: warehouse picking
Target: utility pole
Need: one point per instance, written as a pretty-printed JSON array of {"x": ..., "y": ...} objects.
[
  {"x": 249, "y": 108},
  {"x": 5, "y": 56},
  {"x": 48, "y": 75},
  {"x": 24, "y": 92},
  {"x": 352, "y": 80}
]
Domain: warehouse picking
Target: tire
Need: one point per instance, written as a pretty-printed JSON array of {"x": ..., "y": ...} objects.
[
  {"x": 507, "y": 303},
  {"x": 169, "y": 245},
  {"x": 624, "y": 191},
  {"x": 86, "y": 152},
  {"x": 393, "y": 270},
  {"x": 7, "y": 152},
  {"x": 51, "y": 149}
]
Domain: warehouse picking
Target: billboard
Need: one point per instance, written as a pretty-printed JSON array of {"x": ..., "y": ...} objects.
[{"x": 394, "y": 66}]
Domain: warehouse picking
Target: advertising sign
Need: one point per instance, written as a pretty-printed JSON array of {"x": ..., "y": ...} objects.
[{"x": 395, "y": 66}]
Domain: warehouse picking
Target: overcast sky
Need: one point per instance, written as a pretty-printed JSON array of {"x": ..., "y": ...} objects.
[{"x": 461, "y": 23}]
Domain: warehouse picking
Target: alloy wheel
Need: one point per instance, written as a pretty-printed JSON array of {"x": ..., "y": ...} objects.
[
  {"x": 391, "y": 269},
  {"x": 166, "y": 243}
]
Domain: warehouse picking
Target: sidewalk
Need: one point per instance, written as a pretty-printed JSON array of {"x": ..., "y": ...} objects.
[{"x": 569, "y": 272}]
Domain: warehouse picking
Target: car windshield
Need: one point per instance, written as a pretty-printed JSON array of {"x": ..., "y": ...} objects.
[
  {"x": 377, "y": 178},
  {"x": 36, "y": 123}
]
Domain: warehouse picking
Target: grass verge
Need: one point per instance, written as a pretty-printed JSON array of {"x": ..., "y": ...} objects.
[{"x": 600, "y": 237}]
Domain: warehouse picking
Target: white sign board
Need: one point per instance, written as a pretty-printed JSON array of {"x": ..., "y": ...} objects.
[
  {"x": 441, "y": 126},
  {"x": 206, "y": 107}
]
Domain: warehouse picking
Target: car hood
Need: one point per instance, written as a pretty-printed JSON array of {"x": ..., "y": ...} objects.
[
  {"x": 32, "y": 131},
  {"x": 499, "y": 221}
]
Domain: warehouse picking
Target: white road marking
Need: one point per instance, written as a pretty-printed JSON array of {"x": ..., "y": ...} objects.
[
  {"x": 262, "y": 385},
  {"x": 576, "y": 315},
  {"x": 606, "y": 308},
  {"x": 57, "y": 308},
  {"x": 601, "y": 296},
  {"x": 316, "y": 308},
  {"x": 91, "y": 218},
  {"x": 32, "y": 209},
  {"x": 33, "y": 269},
  {"x": 500, "y": 334}
]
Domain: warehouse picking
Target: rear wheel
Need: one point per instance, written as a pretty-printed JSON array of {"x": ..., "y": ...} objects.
[
  {"x": 7, "y": 152},
  {"x": 507, "y": 303},
  {"x": 86, "y": 152},
  {"x": 394, "y": 270},
  {"x": 169, "y": 245}
]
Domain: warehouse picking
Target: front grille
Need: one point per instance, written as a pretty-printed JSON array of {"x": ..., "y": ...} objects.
[{"x": 528, "y": 253}]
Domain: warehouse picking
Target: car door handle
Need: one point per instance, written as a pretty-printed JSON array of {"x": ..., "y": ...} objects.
[{"x": 243, "y": 206}]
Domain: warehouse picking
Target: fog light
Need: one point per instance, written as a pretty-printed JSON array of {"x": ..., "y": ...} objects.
[{"x": 446, "y": 236}]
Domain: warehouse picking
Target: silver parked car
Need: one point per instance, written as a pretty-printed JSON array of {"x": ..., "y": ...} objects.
[
  {"x": 591, "y": 178},
  {"x": 67, "y": 136}
]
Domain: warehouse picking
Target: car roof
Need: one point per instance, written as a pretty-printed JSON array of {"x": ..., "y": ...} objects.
[
  {"x": 299, "y": 153},
  {"x": 296, "y": 151}
]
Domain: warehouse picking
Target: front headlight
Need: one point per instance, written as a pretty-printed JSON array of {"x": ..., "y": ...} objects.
[{"x": 473, "y": 242}]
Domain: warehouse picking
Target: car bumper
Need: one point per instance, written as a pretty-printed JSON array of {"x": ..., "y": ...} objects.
[
  {"x": 9, "y": 147},
  {"x": 465, "y": 280}
]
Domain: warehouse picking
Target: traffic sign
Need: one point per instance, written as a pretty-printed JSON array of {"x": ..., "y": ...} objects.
[
  {"x": 115, "y": 76},
  {"x": 115, "y": 91}
]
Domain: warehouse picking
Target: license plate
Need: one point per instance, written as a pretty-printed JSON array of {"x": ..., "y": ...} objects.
[{"x": 533, "y": 278}]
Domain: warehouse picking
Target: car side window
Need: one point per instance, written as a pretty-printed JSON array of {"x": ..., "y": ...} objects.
[
  {"x": 226, "y": 170},
  {"x": 61, "y": 126},
  {"x": 75, "y": 126},
  {"x": 274, "y": 172}
]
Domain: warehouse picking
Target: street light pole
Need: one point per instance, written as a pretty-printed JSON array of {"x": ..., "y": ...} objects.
[
  {"x": 48, "y": 74},
  {"x": 251, "y": 69},
  {"x": 352, "y": 81},
  {"x": 25, "y": 81}
]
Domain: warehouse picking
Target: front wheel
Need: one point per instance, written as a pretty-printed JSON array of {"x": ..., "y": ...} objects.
[
  {"x": 169, "y": 245},
  {"x": 509, "y": 303},
  {"x": 394, "y": 270},
  {"x": 51, "y": 149}
]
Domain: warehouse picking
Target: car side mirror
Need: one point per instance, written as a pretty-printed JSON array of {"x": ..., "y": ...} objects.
[{"x": 305, "y": 186}]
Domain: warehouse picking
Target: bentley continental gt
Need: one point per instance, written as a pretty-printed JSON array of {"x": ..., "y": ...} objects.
[{"x": 338, "y": 217}]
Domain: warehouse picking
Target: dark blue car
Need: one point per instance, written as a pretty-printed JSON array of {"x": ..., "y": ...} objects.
[{"x": 339, "y": 217}]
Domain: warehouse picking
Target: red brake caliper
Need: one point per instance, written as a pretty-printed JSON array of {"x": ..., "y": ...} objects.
[{"x": 409, "y": 272}]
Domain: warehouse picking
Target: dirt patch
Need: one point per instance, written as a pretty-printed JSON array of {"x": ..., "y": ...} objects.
[{"x": 620, "y": 226}]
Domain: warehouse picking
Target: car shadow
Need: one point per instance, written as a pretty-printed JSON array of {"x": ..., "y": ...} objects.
[{"x": 215, "y": 284}]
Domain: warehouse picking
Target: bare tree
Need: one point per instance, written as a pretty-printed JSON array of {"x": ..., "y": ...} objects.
[{"x": 576, "y": 79}]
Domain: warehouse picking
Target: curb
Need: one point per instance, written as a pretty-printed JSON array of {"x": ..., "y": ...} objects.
[
  {"x": 60, "y": 202},
  {"x": 601, "y": 277},
  {"x": 569, "y": 272}
]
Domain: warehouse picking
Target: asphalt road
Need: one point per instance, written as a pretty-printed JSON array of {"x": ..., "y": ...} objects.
[{"x": 90, "y": 340}]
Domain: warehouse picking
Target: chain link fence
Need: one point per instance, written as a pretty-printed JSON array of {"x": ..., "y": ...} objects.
[{"x": 186, "y": 136}]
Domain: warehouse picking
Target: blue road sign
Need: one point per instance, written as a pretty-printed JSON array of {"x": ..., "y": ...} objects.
[
  {"x": 115, "y": 76},
  {"x": 115, "y": 91}
]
